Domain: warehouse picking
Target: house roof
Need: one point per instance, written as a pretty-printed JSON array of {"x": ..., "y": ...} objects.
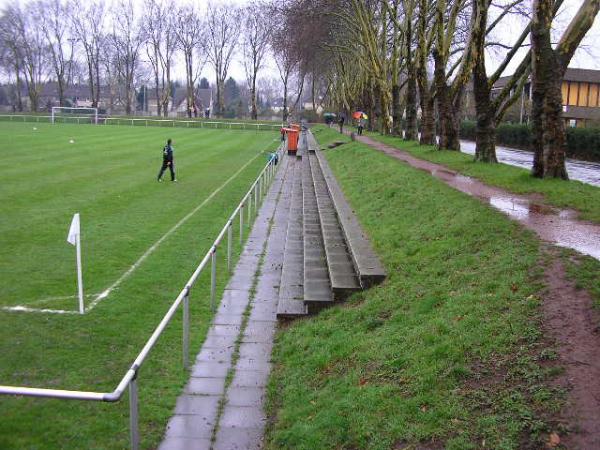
[
  {"x": 581, "y": 75},
  {"x": 203, "y": 97}
]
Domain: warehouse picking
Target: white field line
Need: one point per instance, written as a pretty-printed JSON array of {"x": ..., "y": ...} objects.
[{"x": 99, "y": 297}]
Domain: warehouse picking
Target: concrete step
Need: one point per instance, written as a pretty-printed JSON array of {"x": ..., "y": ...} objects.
[
  {"x": 291, "y": 289},
  {"x": 340, "y": 266},
  {"x": 317, "y": 289},
  {"x": 366, "y": 263}
]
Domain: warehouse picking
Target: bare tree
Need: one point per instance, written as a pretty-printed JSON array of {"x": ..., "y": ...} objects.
[
  {"x": 13, "y": 58},
  {"x": 254, "y": 46},
  {"x": 161, "y": 44},
  {"x": 55, "y": 28},
  {"x": 32, "y": 48},
  {"x": 87, "y": 22},
  {"x": 222, "y": 39},
  {"x": 126, "y": 38},
  {"x": 189, "y": 31}
]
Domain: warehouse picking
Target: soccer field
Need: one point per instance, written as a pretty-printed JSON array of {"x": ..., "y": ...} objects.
[{"x": 108, "y": 175}]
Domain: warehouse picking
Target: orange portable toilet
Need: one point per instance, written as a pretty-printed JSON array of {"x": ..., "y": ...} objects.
[{"x": 292, "y": 136}]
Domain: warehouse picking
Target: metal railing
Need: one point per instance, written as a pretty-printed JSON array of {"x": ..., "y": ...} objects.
[
  {"x": 253, "y": 195},
  {"x": 143, "y": 122}
]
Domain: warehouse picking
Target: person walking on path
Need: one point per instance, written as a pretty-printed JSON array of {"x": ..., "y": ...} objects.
[
  {"x": 167, "y": 162},
  {"x": 361, "y": 125},
  {"x": 342, "y": 120}
]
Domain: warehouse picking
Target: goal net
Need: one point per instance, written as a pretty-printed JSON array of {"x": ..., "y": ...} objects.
[{"x": 79, "y": 115}]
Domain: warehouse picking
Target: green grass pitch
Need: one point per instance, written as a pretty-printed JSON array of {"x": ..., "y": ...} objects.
[{"x": 108, "y": 175}]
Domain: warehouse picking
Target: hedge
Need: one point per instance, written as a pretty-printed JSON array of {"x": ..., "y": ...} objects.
[{"x": 582, "y": 143}]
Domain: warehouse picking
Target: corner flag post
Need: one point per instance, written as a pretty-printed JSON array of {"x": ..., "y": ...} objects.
[{"x": 74, "y": 238}]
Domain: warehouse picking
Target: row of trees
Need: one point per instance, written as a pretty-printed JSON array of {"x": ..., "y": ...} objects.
[
  {"x": 62, "y": 40},
  {"x": 389, "y": 56}
]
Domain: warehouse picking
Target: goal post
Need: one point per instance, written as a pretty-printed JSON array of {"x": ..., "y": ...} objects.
[{"x": 75, "y": 113}]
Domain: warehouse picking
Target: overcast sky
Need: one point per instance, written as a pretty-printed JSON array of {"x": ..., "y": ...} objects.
[{"x": 586, "y": 57}]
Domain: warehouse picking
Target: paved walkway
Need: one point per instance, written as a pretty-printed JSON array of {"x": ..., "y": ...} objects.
[{"x": 222, "y": 404}]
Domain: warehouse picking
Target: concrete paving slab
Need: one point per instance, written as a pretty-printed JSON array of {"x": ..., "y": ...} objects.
[
  {"x": 210, "y": 369},
  {"x": 181, "y": 443},
  {"x": 262, "y": 364},
  {"x": 215, "y": 354},
  {"x": 259, "y": 332},
  {"x": 204, "y": 406},
  {"x": 242, "y": 417},
  {"x": 232, "y": 438},
  {"x": 246, "y": 396},
  {"x": 227, "y": 319},
  {"x": 224, "y": 330},
  {"x": 192, "y": 426},
  {"x": 256, "y": 351},
  {"x": 205, "y": 386},
  {"x": 250, "y": 378},
  {"x": 215, "y": 341}
]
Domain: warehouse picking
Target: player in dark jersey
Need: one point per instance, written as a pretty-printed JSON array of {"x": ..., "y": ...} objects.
[{"x": 168, "y": 161}]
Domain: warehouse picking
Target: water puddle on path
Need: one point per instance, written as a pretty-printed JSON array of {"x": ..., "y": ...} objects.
[{"x": 554, "y": 225}]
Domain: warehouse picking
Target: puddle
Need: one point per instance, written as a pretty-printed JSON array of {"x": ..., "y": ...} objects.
[{"x": 554, "y": 225}]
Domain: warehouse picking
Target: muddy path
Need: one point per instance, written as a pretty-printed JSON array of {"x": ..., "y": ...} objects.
[
  {"x": 572, "y": 322},
  {"x": 557, "y": 226}
]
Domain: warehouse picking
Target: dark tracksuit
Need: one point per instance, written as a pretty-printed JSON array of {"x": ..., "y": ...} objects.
[{"x": 167, "y": 162}]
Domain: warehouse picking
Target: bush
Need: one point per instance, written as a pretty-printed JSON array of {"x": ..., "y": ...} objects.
[{"x": 582, "y": 143}]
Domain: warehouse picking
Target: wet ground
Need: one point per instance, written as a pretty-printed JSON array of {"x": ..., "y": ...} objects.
[
  {"x": 584, "y": 171},
  {"x": 560, "y": 227}
]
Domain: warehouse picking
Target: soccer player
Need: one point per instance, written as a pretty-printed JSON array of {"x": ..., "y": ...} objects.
[{"x": 167, "y": 162}]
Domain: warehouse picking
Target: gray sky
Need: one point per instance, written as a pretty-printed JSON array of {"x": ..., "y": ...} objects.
[{"x": 586, "y": 57}]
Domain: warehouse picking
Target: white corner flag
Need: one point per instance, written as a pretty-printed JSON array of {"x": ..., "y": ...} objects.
[{"x": 74, "y": 238}]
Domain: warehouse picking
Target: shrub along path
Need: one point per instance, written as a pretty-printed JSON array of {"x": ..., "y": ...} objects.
[{"x": 456, "y": 349}]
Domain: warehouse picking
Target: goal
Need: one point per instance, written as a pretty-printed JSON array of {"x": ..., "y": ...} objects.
[{"x": 68, "y": 114}]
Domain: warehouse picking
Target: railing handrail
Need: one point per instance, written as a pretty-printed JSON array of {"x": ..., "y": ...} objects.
[
  {"x": 132, "y": 119},
  {"x": 131, "y": 373}
]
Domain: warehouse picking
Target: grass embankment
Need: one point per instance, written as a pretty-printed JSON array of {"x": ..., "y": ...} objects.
[
  {"x": 109, "y": 176},
  {"x": 572, "y": 194},
  {"x": 447, "y": 353}
]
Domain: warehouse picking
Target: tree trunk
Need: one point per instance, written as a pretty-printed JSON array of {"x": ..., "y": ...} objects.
[
  {"x": 549, "y": 141},
  {"x": 253, "y": 96},
  {"x": 485, "y": 133},
  {"x": 285, "y": 94},
  {"x": 396, "y": 110},
  {"x": 442, "y": 101},
  {"x": 411, "y": 104}
]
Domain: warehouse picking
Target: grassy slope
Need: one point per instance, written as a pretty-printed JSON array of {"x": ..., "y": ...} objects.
[
  {"x": 574, "y": 194},
  {"x": 109, "y": 176},
  {"x": 445, "y": 352}
]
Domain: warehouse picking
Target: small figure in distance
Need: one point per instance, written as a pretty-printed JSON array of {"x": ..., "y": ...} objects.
[
  {"x": 361, "y": 125},
  {"x": 167, "y": 162},
  {"x": 342, "y": 119}
]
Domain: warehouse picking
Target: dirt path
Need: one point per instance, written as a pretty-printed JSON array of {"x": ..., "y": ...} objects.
[
  {"x": 559, "y": 227},
  {"x": 571, "y": 320}
]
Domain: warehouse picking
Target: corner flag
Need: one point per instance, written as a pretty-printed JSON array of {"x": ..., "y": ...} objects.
[
  {"x": 74, "y": 230},
  {"x": 74, "y": 238}
]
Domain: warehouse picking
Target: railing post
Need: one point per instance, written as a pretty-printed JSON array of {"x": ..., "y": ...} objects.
[
  {"x": 229, "y": 239},
  {"x": 133, "y": 414},
  {"x": 241, "y": 224},
  {"x": 213, "y": 278},
  {"x": 186, "y": 329},
  {"x": 256, "y": 196},
  {"x": 250, "y": 208}
]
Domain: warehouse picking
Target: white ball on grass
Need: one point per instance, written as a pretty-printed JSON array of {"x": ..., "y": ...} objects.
[
  {"x": 71, "y": 141},
  {"x": 34, "y": 128}
]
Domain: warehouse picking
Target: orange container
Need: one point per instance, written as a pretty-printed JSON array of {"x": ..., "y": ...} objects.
[
  {"x": 292, "y": 136},
  {"x": 296, "y": 127}
]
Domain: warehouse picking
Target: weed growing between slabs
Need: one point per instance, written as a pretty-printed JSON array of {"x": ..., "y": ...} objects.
[
  {"x": 446, "y": 353},
  {"x": 109, "y": 176},
  {"x": 571, "y": 194}
]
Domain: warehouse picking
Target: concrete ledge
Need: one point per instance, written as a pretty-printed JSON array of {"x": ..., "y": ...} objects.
[{"x": 367, "y": 264}]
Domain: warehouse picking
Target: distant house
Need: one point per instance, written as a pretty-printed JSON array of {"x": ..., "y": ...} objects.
[
  {"x": 580, "y": 93},
  {"x": 203, "y": 101}
]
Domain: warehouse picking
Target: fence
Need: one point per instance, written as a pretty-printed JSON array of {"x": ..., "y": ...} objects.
[
  {"x": 143, "y": 122},
  {"x": 253, "y": 195}
]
